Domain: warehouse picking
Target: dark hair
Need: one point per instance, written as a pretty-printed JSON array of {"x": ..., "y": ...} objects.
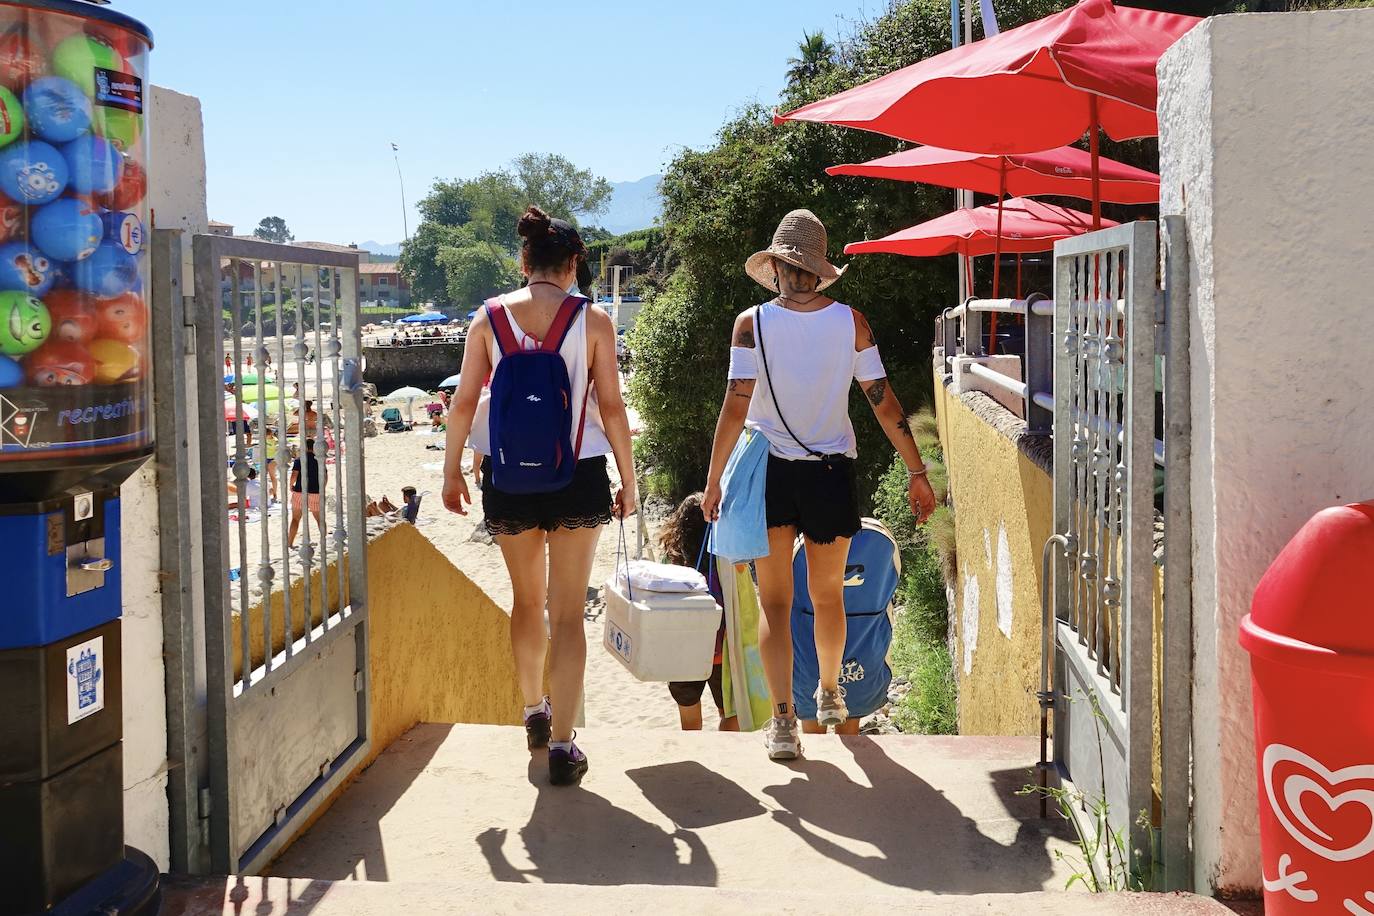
[
  {"x": 407, "y": 491},
  {"x": 549, "y": 243},
  {"x": 309, "y": 404},
  {"x": 309, "y": 445},
  {"x": 683, "y": 532}
]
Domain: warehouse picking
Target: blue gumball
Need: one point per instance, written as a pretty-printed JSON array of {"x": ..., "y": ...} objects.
[
  {"x": 11, "y": 373},
  {"x": 125, "y": 229},
  {"x": 109, "y": 272},
  {"x": 57, "y": 109},
  {"x": 26, "y": 269},
  {"x": 68, "y": 229},
  {"x": 95, "y": 164},
  {"x": 32, "y": 173}
]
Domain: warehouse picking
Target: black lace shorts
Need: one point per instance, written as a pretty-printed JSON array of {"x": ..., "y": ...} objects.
[
  {"x": 818, "y": 498},
  {"x": 584, "y": 503}
]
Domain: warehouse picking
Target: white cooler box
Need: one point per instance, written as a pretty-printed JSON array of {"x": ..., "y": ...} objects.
[{"x": 661, "y": 636}]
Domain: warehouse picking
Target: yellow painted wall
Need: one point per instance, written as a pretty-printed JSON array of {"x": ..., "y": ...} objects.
[{"x": 1003, "y": 510}]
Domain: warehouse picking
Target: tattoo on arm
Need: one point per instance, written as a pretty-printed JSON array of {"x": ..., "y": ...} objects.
[
  {"x": 877, "y": 391},
  {"x": 733, "y": 389},
  {"x": 905, "y": 427},
  {"x": 745, "y": 338}
]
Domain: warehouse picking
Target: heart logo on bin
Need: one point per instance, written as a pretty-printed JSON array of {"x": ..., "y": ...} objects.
[{"x": 1307, "y": 792}]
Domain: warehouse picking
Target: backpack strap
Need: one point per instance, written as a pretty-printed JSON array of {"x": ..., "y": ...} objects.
[
  {"x": 562, "y": 324},
  {"x": 500, "y": 327}
]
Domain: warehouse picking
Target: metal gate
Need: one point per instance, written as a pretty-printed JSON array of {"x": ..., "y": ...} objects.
[
  {"x": 1110, "y": 341},
  {"x": 277, "y": 353}
]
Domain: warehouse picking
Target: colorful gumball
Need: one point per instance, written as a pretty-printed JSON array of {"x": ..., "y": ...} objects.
[
  {"x": 115, "y": 361},
  {"x": 109, "y": 272},
  {"x": 122, "y": 318},
  {"x": 132, "y": 187},
  {"x": 11, "y": 373},
  {"x": 11, "y": 220},
  {"x": 73, "y": 315},
  {"x": 124, "y": 229},
  {"x": 11, "y": 117},
  {"x": 94, "y": 164},
  {"x": 21, "y": 59},
  {"x": 32, "y": 172},
  {"x": 57, "y": 109},
  {"x": 122, "y": 128},
  {"x": 24, "y": 323},
  {"x": 58, "y": 362},
  {"x": 25, "y": 269},
  {"x": 77, "y": 58},
  {"x": 68, "y": 229}
]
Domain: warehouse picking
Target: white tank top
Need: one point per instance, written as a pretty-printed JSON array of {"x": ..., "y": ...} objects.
[
  {"x": 811, "y": 365},
  {"x": 575, "y": 355}
]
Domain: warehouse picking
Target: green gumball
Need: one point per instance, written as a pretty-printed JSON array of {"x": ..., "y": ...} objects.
[
  {"x": 122, "y": 128},
  {"x": 24, "y": 323},
  {"x": 77, "y": 57},
  {"x": 11, "y": 117}
]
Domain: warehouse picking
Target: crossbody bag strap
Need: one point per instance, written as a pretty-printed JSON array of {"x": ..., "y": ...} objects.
[{"x": 758, "y": 330}]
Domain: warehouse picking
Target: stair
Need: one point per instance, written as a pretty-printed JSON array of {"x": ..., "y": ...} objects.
[{"x": 460, "y": 818}]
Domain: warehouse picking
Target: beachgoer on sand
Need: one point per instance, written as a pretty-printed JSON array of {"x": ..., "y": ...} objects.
[
  {"x": 566, "y": 521},
  {"x": 792, "y": 361},
  {"x": 305, "y": 492},
  {"x": 682, "y": 538}
]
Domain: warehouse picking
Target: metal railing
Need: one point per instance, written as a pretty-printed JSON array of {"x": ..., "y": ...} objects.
[
  {"x": 285, "y": 627},
  {"x": 959, "y": 331}
]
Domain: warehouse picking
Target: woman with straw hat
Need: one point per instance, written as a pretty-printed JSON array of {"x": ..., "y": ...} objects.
[{"x": 792, "y": 360}]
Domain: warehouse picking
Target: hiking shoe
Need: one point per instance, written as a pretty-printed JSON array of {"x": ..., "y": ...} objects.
[
  {"x": 782, "y": 739},
  {"x": 566, "y": 768},
  {"x": 538, "y": 725},
  {"x": 830, "y": 708}
]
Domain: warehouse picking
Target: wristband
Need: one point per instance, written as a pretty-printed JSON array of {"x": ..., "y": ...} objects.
[{"x": 917, "y": 473}]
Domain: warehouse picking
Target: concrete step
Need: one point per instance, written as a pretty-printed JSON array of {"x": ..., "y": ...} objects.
[{"x": 300, "y": 896}]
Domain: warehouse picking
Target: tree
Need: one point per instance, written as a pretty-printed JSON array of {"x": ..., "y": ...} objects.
[
  {"x": 420, "y": 259},
  {"x": 816, "y": 53},
  {"x": 559, "y": 187},
  {"x": 273, "y": 229},
  {"x": 476, "y": 271}
]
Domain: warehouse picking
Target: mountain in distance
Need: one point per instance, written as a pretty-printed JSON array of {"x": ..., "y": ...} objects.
[
  {"x": 634, "y": 205},
  {"x": 391, "y": 250}
]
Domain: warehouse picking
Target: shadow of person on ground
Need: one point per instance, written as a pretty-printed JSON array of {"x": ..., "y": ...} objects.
[
  {"x": 923, "y": 841},
  {"x": 694, "y": 797},
  {"x": 575, "y": 836}
]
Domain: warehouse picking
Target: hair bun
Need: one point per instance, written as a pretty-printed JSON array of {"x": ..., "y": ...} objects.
[{"x": 534, "y": 223}]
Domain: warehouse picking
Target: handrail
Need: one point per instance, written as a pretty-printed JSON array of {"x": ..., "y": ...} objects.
[{"x": 1005, "y": 382}]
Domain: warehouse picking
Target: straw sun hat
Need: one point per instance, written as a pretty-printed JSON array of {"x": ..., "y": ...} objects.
[{"x": 800, "y": 240}]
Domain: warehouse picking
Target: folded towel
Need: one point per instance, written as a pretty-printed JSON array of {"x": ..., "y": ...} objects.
[{"x": 741, "y": 533}]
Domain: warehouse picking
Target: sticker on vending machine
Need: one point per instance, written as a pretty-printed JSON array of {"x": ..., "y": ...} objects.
[{"x": 85, "y": 679}]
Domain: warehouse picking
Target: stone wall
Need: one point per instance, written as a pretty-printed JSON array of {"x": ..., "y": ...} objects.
[{"x": 421, "y": 365}]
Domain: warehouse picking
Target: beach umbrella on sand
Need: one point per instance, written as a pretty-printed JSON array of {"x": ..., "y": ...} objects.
[
  {"x": 1035, "y": 87},
  {"x": 425, "y": 318},
  {"x": 450, "y": 382},
  {"x": 1064, "y": 171},
  {"x": 408, "y": 394},
  {"x": 233, "y": 411}
]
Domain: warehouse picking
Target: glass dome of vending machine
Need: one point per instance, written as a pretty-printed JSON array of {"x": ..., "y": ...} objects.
[{"x": 75, "y": 388}]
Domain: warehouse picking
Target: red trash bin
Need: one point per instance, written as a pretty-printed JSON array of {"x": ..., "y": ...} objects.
[{"x": 1310, "y": 635}]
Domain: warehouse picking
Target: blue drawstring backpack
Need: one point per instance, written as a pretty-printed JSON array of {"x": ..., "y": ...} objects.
[
  {"x": 871, "y": 574},
  {"x": 532, "y": 447}
]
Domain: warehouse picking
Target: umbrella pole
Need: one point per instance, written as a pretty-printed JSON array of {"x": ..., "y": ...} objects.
[
  {"x": 1095, "y": 151},
  {"x": 1020, "y": 293},
  {"x": 997, "y": 253}
]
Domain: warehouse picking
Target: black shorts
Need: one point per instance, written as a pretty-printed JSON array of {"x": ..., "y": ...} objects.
[
  {"x": 688, "y": 693},
  {"x": 584, "y": 503},
  {"x": 818, "y": 498}
]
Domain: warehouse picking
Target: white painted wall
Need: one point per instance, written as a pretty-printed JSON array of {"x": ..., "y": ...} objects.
[
  {"x": 1266, "y": 139},
  {"x": 177, "y": 198}
]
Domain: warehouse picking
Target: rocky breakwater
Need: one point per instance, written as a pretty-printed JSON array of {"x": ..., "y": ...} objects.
[{"x": 423, "y": 365}]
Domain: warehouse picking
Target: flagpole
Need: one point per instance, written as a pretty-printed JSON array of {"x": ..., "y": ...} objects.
[{"x": 405, "y": 220}]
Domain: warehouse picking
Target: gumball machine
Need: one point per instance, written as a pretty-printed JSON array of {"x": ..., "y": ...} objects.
[{"x": 75, "y": 421}]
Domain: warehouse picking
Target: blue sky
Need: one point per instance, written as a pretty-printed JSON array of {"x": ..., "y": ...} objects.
[{"x": 302, "y": 98}]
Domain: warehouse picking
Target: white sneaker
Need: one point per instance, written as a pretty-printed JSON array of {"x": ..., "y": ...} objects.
[
  {"x": 782, "y": 739},
  {"x": 830, "y": 708}
]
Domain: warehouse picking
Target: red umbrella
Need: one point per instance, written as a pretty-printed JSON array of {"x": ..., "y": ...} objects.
[
  {"x": 1066, "y": 171},
  {"x": 1034, "y": 87},
  {"x": 1028, "y": 225}
]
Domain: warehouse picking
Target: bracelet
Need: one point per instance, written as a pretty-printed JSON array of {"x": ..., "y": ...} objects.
[{"x": 921, "y": 473}]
